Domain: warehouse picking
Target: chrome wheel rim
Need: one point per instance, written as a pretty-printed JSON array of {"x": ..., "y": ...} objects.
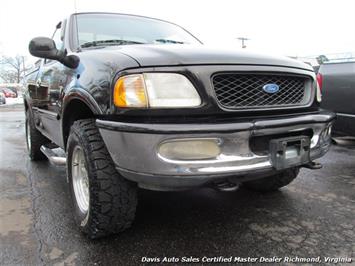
[
  {"x": 80, "y": 179},
  {"x": 28, "y": 135}
]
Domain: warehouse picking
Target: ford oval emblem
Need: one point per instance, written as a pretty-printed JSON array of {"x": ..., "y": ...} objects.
[{"x": 271, "y": 88}]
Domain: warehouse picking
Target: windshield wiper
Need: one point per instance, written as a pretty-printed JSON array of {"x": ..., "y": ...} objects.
[
  {"x": 108, "y": 43},
  {"x": 168, "y": 41}
]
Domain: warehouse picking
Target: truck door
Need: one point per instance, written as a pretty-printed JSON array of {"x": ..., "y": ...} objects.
[{"x": 50, "y": 84}]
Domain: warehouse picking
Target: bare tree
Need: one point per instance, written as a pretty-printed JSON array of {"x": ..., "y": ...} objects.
[{"x": 12, "y": 69}]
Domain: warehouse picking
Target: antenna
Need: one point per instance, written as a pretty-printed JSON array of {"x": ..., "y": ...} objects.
[
  {"x": 76, "y": 26},
  {"x": 75, "y": 6},
  {"x": 243, "y": 39}
]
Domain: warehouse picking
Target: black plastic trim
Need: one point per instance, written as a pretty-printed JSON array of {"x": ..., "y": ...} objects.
[{"x": 321, "y": 117}]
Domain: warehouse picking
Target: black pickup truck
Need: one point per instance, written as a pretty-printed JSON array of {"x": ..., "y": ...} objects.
[{"x": 132, "y": 102}]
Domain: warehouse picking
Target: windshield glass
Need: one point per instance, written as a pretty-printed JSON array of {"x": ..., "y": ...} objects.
[{"x": 116, "y": 29}]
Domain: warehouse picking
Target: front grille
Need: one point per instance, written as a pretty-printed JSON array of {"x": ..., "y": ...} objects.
[{"x": 240, "y": 91}]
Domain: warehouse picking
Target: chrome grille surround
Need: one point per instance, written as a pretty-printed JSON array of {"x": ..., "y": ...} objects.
[{"x": 237, "y": 90}]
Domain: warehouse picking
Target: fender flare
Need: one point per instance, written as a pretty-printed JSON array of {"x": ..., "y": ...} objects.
[{"x": 85, "y": 97}]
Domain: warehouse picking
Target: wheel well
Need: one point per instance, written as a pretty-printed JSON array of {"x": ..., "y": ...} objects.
[{"x": 74, "y": 111}]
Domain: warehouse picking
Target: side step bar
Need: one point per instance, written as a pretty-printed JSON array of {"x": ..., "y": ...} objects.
[{"x": 53, "y": 157}]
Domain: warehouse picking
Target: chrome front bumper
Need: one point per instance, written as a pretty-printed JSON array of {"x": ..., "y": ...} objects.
[{"x": 134, "y": 149}]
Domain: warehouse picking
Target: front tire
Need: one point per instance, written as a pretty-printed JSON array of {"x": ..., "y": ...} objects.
[
  {"x": 104, "y": 202},
  {"x": 272, "y": 183}
]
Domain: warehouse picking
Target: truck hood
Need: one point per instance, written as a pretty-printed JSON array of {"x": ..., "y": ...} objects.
[{"x": 175, "y": 55}]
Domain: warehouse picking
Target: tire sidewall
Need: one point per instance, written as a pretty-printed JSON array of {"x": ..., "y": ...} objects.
[
  {"x": 81, "y": 218},
  {"x": 113, "y": 199},
  {"x": 29, "y": 124},
  {"x": 36, "y": 139},
  {"x": 26, "y": 128}
]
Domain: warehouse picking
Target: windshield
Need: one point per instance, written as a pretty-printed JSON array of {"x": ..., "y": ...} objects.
[{"x": 117, "y": 29}]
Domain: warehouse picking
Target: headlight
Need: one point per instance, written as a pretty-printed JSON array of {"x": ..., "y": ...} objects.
[
  {"x": 155, "y": 90},
  {"x": 130, "y": 91}
]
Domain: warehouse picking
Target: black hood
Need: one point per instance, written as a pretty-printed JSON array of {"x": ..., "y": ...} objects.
[{"x": 174, "y": 55}]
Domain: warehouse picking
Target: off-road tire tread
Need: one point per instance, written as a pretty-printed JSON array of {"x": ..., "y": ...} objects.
[
  {"x": 274, "y": 182},
  {"x": 113, "y": 199},
  {"x": 37, "y": 140}
]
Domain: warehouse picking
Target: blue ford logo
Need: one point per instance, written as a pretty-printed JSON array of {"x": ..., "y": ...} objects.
[{"x": 271, "y": 88}]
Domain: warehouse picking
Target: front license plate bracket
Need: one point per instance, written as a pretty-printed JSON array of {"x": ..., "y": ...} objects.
[{"x": 289, "y": 152}]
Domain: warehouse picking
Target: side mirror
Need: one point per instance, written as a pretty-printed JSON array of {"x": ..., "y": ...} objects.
[{"x": 44, "y": 47}]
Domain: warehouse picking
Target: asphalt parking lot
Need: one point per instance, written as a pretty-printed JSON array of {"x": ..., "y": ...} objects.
[{"x": 314, "y": 216}]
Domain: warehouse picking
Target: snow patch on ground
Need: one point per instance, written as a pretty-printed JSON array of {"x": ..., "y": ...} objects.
[{"x": 13, "y": 101}]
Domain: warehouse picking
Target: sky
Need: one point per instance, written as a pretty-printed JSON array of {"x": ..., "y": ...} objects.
[{"x": 285, "y": 27}]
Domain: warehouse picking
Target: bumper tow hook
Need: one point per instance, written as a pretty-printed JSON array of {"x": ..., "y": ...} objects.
[
  {"x": 313, "y": 165},
  {"x": 226, "y": 186}
]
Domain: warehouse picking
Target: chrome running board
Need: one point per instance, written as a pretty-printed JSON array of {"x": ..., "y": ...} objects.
[{"x": 56, "y": 158}]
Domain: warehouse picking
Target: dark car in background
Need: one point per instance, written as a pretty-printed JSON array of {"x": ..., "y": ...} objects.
[{"x": 337, "y": 80}]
